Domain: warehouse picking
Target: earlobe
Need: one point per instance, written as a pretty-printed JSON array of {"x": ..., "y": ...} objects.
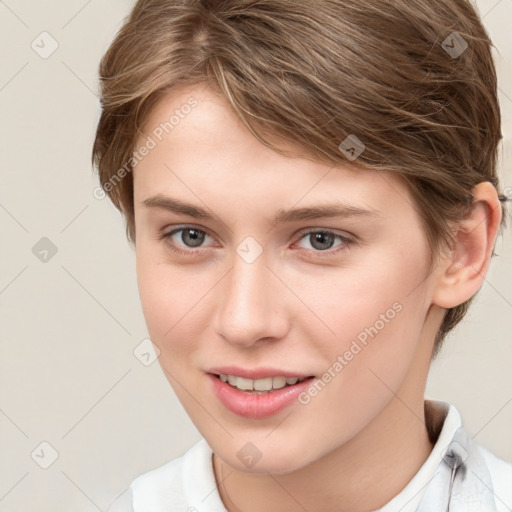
[{"x": 461, "y": 273}]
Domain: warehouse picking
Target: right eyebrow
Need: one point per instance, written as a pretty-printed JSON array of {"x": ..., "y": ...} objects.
[{"x": 176, "y": 206}]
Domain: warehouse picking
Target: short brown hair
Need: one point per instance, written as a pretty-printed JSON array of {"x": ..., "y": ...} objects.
[{"x": 414, "y": 81}]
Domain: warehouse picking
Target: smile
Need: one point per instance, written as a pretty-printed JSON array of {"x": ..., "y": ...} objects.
[{"x": 256, "y": 394}]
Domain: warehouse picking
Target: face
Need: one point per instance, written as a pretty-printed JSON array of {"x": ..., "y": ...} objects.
[{"x": 249, "y": 282}]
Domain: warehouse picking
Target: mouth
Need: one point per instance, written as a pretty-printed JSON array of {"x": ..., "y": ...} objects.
[{"x": 257, "y": 394}]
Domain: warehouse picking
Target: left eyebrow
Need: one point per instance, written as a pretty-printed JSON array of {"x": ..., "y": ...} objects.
[
  {"x": 282, "y": 216},
  {"x": 176, "y": 206},
  {"x": 324, "y": 212}
]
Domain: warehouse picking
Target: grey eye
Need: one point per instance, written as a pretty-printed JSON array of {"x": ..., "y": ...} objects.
[
  {"x": 192, "y": 237},
  {"x": 322, "y": 240}
]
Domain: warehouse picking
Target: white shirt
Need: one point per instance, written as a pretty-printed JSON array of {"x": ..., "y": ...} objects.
[{"x": 187, "y": 484}]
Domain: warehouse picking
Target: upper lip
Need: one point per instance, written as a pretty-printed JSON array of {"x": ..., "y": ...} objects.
[{"x": 255, "y": 373}]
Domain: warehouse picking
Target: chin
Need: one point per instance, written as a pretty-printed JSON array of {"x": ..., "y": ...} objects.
[{"x": 261, "y": 456}]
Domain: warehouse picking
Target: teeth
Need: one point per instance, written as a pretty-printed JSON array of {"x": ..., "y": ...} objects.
[
  {"x": 260, "y": 384},
  {"x": 278, "y": 382},
  {"x": 244, "y": 384},
  {"x": 263, "y": 384}
]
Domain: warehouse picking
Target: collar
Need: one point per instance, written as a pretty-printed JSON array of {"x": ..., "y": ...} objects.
[{"x": 462, "y": 482}]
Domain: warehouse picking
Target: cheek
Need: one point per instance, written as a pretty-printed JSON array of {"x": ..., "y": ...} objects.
[
  {"x": 377, "y": 315},
  {"x": 162, "y": 295},
  {"x": 374, "y": 299},
  {"x": 172, "y": 298}
]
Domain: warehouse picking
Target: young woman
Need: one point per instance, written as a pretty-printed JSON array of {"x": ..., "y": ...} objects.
[{"x": 312, "y": 194}]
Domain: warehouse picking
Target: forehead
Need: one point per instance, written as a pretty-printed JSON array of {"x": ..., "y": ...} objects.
[{"x": 200, "y": 147}]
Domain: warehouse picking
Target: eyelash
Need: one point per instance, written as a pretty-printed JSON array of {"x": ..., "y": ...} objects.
[{"x": 347, "y": 242}]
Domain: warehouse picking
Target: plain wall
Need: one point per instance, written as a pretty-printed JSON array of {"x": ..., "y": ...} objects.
[{"x": 69, "y": 326}]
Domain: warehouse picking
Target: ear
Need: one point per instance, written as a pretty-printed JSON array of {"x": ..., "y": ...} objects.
[{"x": 462, "y": 270}]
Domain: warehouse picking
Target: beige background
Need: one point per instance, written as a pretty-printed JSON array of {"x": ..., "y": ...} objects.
[{"x": 68, "y": 327}]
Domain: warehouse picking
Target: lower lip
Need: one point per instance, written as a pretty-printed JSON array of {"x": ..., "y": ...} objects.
[{"x": 257, "y": 406}]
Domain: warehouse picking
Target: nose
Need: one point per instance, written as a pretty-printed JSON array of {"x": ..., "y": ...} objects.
[{"x": 251, "y": 305}]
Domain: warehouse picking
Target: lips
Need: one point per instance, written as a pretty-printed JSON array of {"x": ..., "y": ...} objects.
[{"x": 256, "y": 393}]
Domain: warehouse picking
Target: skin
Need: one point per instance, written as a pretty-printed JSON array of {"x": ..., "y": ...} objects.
[{"x": 296, "y": 308}]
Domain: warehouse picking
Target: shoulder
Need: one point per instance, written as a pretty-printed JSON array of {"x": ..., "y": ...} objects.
[
  {"x": 180, "y": 483},
  {"x": 163, "y": 484},
  {"x": 501, "y": 477},
  {"x": 156, "y": 489}
]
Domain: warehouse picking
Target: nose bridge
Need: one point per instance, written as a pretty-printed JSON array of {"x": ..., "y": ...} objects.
[{"x": 247, "y": 303}]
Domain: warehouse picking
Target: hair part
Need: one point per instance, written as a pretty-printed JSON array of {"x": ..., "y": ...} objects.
[{"x": 312, "y": 74}]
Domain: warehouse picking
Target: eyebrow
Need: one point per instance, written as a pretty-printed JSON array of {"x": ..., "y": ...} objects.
[{"x": 282, "y": 216}]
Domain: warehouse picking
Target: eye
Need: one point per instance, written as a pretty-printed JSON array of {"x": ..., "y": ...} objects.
[
  {"x": 190, "y": 237},
  {"x": 323, "y": 240}
]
